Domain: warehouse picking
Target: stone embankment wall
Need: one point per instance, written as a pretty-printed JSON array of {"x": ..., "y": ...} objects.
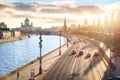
[{"x": 12, "y": 39}]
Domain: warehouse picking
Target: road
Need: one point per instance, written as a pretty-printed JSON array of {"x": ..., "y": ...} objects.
[{"x": 79, "y": 67}]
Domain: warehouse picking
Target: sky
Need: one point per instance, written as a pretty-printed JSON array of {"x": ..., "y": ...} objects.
[{"x": 48, "y": 13}]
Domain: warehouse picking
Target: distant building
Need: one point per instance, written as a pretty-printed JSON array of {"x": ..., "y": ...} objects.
[
  {"x": 65, "y": 26},
  {"x": 5, "y": 34},
  {"x": 3, "y": 25},
  {"x": 4, "y": 31},
  {"x": 73, "y": 26},
  {"x": 86, "y": 22},
  {"x": 26, "y": 25},
  {"x": 15, "y": 33}
]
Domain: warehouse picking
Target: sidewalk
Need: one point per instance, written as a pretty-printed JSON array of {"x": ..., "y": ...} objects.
[
  {"x": 106, "y": 50},
  {"x": 116, "y": 72},
  {"x": 115, "y": 60},
  {"x": 24, "y": 73}
]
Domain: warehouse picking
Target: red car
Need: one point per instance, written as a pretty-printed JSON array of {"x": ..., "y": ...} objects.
[
  {"x": 73, "y": 51},
  {"x": 88, "y": 55},
  {"x": 81, "y": 53},
  {"x": 96, "y": 54}
]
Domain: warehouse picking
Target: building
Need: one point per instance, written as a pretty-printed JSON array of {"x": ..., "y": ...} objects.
[
  {"x": 5, "y": 34},
  {"x": 86, "y": 22},
  {"x": 3, "y": 25},
  {"x": 15, "y": 33},
  {"x": 26, "y": 25},
  {"x": 65, "y": 26}
]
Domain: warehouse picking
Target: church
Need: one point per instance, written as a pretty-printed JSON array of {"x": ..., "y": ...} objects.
[{"x": 26, "y": 25}]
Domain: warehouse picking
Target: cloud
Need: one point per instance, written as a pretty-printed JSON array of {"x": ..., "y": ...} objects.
[
  {"x": 53, "y": 12},
  {"x": 23, "y": 6},
  {"x": 115, "y": 7},
  {"x": 57, "y": 20},
  {"x": 92, "y": 9},
  {"x": 3, "y": 6},
  {"x": 78, "y": 9}
]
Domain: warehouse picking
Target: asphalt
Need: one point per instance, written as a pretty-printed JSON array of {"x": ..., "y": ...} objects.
[{"x": 76, "y": 67}]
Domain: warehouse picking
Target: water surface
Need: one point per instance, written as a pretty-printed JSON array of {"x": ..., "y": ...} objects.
[{"x": 18, "y": 53}]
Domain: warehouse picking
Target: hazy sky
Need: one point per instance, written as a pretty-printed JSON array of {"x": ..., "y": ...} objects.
[{"x": 47, "y": 13}]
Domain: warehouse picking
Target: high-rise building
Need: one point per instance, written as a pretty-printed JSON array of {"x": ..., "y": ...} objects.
[
  {"x": 65, "y": 26},
  {"x": 86, "y": 22},
  {"x": 99, "y": 25}
]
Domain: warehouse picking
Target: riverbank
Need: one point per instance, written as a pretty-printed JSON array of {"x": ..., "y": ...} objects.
[
  {"x": 12, "y": 39},
  {"x": 47, "y": 61}
]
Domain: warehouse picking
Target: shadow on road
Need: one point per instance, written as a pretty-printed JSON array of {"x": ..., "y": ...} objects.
[{"x": 51, "y": 58}]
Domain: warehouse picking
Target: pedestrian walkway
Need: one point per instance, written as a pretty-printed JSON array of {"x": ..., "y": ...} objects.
[
  {"x": 115, "y": 69},
  {"x": 31, "y": 69},
  {"x": 116, "y": 72}
]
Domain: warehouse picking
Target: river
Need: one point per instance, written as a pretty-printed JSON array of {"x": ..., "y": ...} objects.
[{"x": 18, "y": 53}]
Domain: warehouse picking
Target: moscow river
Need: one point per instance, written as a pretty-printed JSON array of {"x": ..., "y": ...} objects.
[{"x": 18, "y": 53}]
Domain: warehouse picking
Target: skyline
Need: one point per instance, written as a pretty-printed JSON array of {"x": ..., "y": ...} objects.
[{"x": 49, "y": 13}]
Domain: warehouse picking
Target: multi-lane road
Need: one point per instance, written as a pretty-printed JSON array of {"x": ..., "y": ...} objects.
[{"x": 79, "y": 67}]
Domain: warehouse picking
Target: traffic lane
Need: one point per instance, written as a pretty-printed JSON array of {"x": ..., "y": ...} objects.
[
  {"x": 65, "y": 70},
  {"x": 79, "y": 68},
  {"x": 89, "y": 69},
  {"x": 68, "y": 70},
  {"x": 69, "y": 66},
  {"x": 98, "y": 65},
  {"x": 52, "y": 72},
  {"x": 81, "y": 64},
  {"x": 57, "y": 68}
]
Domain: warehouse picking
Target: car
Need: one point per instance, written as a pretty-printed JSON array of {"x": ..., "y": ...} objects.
[
  {"x": 85, "y": 41},
  {"x": 74, "y": 51},
  {"x": 88, "y": 55},
  {"x": 96, "y": 54},
  {"x": 80, "y": 52}
]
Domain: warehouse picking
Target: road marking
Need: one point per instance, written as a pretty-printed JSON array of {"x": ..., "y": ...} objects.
[
  {"x": 85, "y": 78},
  {"x": 73, "y": 66},
  {"x": 72, "y": 69}
]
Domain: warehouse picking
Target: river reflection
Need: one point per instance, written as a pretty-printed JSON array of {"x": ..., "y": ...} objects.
[{"x": 18, "y": 53}]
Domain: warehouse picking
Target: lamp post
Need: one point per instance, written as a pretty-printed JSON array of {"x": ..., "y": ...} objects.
[
  {"x": 67, "y": 42},
  {"x": 40, "y": 45},
  {"x": 60, "y": 44},
  {"x": 111, "y": 50}
]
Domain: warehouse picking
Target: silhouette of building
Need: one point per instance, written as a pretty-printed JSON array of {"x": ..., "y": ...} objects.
[
  {"x": 93, "y": 23},
  {"x": 106, "y": 23},
  {"x": 65, "y": 26},
  {"x": 99, "y": 25},
  {"x": 26, "y": 25},
  {"x": 3, "y": 25},
  {"x": 85, "y": 22}
]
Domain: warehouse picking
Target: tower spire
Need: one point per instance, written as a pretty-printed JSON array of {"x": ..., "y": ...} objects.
[{"x": 65, "y": 26}]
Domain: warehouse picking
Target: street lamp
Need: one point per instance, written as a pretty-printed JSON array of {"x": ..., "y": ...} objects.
[
  {"x": 40, "y": 45},
  {"x": 60, "y": 44},
  {"x": 67, "y": 42}
]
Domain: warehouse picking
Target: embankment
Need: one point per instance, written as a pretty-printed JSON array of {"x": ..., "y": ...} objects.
[
  {"x": 12, "y": 39},
  {"x": 47, "y": 60}
]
